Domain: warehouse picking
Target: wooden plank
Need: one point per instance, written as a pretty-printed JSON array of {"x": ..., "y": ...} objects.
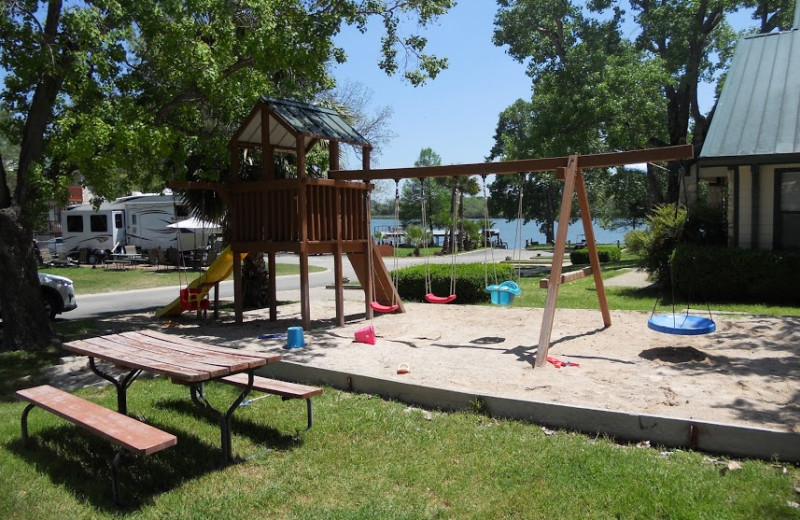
[
  {"x": 266, "y": 356},
  {"x": 238, "y": 299},
  {"x": 558, "y": 259},
  {"x": 273, "y": 289},
  {"x": 135, "y": 436},
  {"x": 125, "y": 357},
  {"x": 544, "y": 283},
  {"x": 180, "y": 360},
  {"x": 591, "y": 244},
  {"x": 187, "y": 351},
  {"x": 603, "y": 160},
  {"x": 274, "y": 386}
]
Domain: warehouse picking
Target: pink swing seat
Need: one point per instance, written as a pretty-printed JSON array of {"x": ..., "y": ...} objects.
[
  {"x": 379, "y": 307},
  {"x": 432, "y": 298}
]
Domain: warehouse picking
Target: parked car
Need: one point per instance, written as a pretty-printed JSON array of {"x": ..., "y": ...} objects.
[{"x": 58, "y": 294}]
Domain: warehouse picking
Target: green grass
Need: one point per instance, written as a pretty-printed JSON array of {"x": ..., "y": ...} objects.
[
  {"x": 365, "y": 458},
  {"x": 93, "y": 281},
  {"x": 581, "y": 294},
  {"x": 404, "y": 252}
]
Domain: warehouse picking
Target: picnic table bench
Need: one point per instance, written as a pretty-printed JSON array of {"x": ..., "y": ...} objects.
[
  {"x": 128, "y": 433},
  {"x": 184, "y": 361},
  {"x": 276, "y": 387}
]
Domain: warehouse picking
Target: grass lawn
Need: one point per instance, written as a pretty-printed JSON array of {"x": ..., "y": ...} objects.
[
  {"x": 581, "y": 294},
  {"x": 365, "y": 458},
  {"x": 94, "y": 281}
]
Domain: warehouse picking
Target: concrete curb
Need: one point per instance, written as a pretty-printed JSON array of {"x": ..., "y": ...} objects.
[{"x": 724, "y": 439}]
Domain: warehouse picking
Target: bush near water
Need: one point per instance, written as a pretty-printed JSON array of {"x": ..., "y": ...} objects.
[
  {"x": 471, "y": 281},
  {"x": 605, "y": 253}
]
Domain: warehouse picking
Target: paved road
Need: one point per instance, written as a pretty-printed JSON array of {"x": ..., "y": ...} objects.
[{"x": 108, "y": 304}]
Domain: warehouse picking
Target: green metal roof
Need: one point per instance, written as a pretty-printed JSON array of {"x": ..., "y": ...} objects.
[
  {"x": 757, "y": 119},
  {"x": 290, "y": 118}
]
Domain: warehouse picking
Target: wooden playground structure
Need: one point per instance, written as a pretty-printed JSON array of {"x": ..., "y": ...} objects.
[{"x": 314, "y": 215}]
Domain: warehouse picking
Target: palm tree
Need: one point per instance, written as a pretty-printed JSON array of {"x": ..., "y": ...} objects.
[{"x": 417, "y": 236}]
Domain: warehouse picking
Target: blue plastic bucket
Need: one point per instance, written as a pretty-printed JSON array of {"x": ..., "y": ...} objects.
[{"x": 295, "y": 338}]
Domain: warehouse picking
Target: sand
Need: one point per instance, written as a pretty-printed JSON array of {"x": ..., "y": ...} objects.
[{"x": 746, "y": 373}]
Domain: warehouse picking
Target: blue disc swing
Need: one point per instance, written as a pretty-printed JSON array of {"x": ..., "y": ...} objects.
[
  {"x": 682, "y": 324},
  {"x": 502, "y": 294}
]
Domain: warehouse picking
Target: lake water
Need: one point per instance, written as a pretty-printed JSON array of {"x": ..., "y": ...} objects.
[{"x": 530, "y": 231}]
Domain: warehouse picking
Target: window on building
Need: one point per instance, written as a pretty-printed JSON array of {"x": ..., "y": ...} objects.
[
  {"x": 98, "y": 223},
  {"x": 789, "y": 228},
  {"x": 75, "y": 223}
]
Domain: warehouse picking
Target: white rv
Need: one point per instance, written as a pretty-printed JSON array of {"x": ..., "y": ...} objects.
[{"x": 140, "y": 220}]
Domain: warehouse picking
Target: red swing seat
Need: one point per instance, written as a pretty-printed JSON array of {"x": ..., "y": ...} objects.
[
  {"x": 379, "y": 307},
  {"x": 192, "y": 299},
  {"x": 432, "y": 298}
]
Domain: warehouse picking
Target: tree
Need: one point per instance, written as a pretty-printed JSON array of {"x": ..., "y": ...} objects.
[
  {"x": 772, "y": 14},
  {"x": 605, "y": 92},
  {"x": 132, "y": 93},
  {"x": 621, "y": 199}
]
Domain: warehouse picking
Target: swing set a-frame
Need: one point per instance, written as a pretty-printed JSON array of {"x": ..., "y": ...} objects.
[
  {"x": 304, "y": 215},
  {"x": 568, "y": 169}
]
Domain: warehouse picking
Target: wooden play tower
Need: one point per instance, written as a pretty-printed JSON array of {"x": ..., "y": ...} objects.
[{"x": 303, "y": 215}]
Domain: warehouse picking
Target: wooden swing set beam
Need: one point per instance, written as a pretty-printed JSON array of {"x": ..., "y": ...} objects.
[{"x": 601, "y": 160}]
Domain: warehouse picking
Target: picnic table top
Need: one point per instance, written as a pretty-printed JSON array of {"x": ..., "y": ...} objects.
[{"x": 179, "y": 358}]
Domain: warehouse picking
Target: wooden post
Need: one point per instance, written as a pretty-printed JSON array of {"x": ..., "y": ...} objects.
[
  {"x": 305, "y": 297},
  {"x": 267, "y": 150},
  {"x": 237, "y": 287},
  {"x": 594, "y": 258},
  {"x": 337, "y": 262},
  {"x": 369, "y": 290},
  {"x": 569, "y": 174},
  {"x": 233, "y": 149},
  {"x": 333, "y": 155},
  {"x": 273, "y": 289}
]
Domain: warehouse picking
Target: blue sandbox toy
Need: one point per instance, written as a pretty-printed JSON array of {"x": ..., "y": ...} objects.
[{"x": 295, "y": 338}]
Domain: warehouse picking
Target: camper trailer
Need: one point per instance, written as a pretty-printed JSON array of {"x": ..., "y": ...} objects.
[{"x": 139, "y": 220}]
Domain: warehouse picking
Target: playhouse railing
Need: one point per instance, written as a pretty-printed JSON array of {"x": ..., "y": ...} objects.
[{"x": 271, "y": 212}]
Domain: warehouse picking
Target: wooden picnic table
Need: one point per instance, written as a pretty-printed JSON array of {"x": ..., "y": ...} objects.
[{"x": 184, "y": 361}]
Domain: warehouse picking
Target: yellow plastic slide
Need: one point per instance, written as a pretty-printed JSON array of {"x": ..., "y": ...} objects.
[{"x": 218, "y": 271}]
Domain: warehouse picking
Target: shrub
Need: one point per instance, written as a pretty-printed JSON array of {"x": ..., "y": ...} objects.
[
  {"x": 703, "y": 273},
  {"x": 605, "y": 253},
  {"x": 470, "y": 281},
  {"x": 656, "y": 245}
]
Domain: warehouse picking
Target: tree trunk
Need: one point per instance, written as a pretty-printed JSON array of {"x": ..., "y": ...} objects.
[
  {"x": 255, "y": 281},
  {"x": 26, "y": 325}
]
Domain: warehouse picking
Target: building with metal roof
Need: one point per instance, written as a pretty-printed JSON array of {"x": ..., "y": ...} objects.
[{"x": 753, "y": 144}]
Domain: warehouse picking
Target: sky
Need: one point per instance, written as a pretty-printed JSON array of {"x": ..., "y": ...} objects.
[{"x": 456, "y": 113}]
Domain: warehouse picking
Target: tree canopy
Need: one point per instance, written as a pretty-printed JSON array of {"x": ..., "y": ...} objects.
[
  {"x": 124, "y": 94},
  {"x": 616, "y": 75}
]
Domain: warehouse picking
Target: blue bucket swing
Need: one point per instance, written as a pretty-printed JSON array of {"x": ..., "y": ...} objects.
[{"x": 502, "y": 294}]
